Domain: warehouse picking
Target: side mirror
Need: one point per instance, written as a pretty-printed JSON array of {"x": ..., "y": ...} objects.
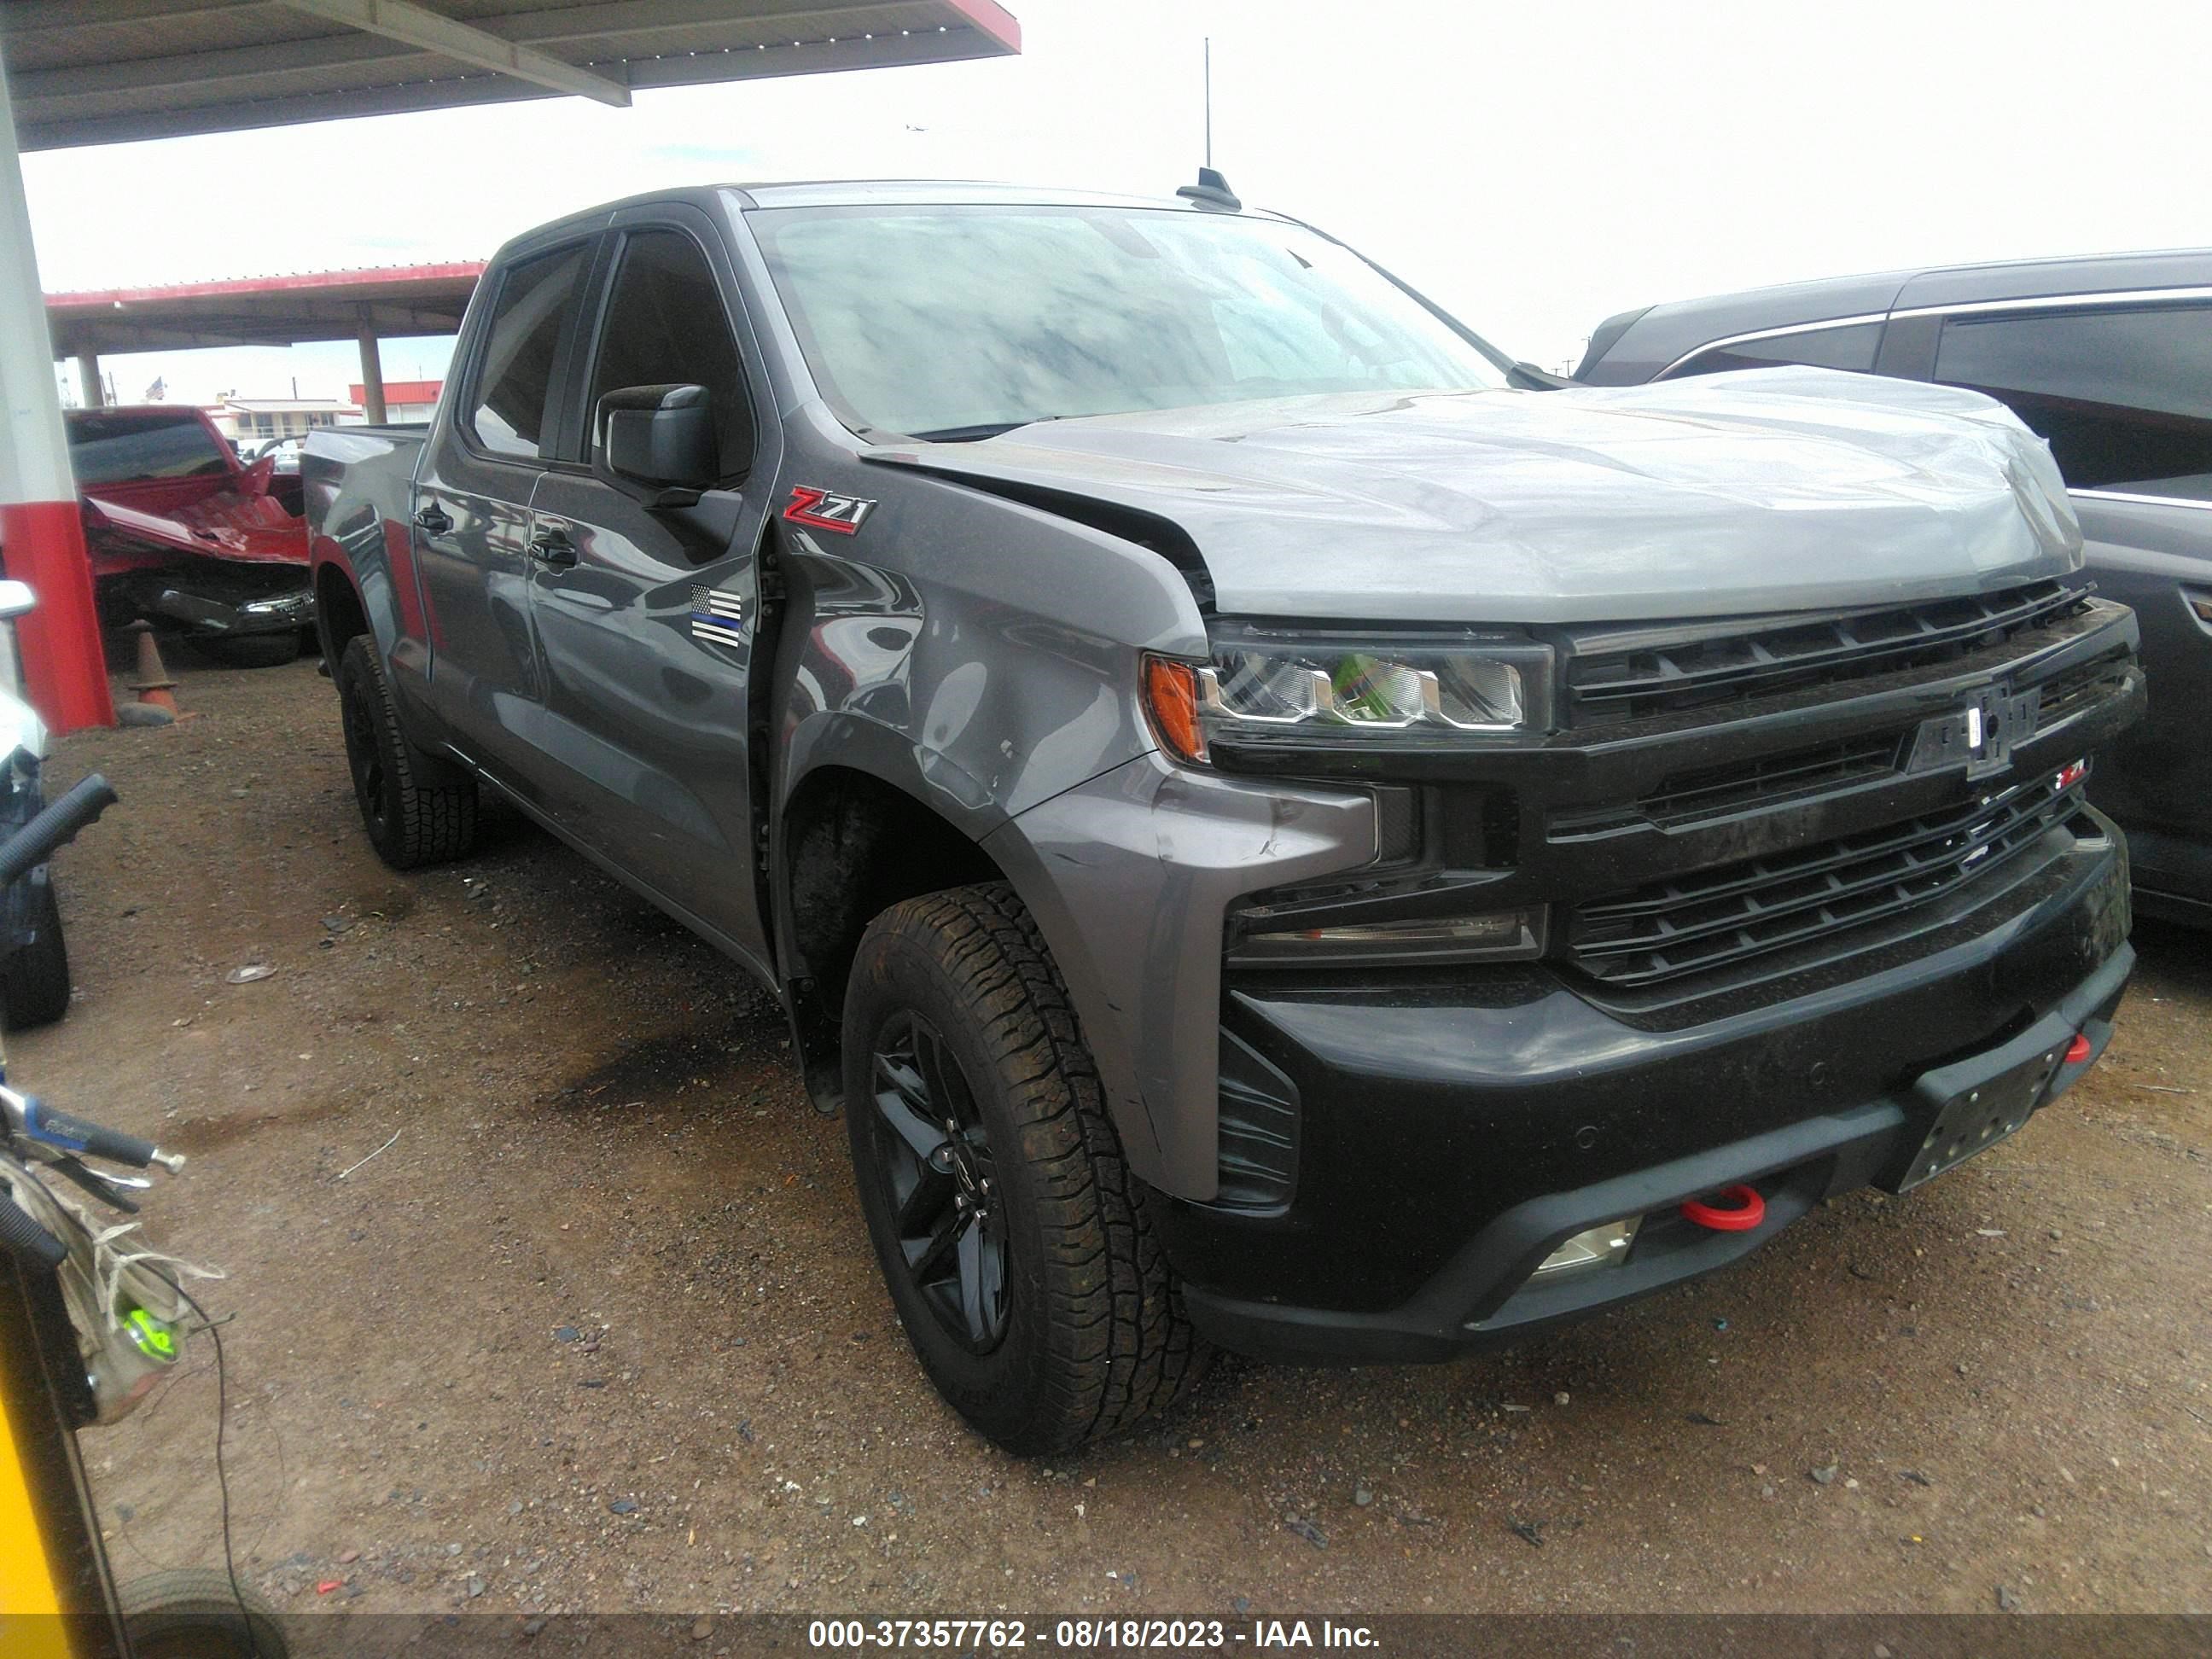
[
  {"x": 16, "y": 598},
  {"x": 657, "y": 442}
]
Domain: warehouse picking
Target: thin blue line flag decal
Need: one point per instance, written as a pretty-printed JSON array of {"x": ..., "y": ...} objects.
[{"x": 716, "y": 617}]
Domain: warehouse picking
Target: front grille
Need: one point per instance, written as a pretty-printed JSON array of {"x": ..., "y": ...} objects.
[
  {"x": 1713, "y": 792},
  {"x": 1617, "y": 674},
  {"x": 2068, "y": 692},
  {"x": 1691, "y": 924}
]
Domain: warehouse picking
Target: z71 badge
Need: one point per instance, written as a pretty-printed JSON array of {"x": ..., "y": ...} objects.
[{"x": 818, "y": 509}]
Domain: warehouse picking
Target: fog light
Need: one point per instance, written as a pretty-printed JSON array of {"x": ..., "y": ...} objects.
[
  {"x": 1497, "y": 935},
  {"x": 1592, "y": 1248}
]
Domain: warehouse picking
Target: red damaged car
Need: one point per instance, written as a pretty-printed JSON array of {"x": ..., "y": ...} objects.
[{"x": 184, "y": 534}]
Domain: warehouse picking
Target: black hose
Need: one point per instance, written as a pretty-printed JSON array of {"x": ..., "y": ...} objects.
[
  {"x": 22, "y": 1237},
  {"x": 34, "y": 844}
]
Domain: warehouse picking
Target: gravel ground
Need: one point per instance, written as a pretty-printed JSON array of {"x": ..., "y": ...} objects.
[{"x": 599, "y": 1329}]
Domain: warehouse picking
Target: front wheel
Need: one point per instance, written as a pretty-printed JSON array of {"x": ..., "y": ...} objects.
[
  {"x": 1013, "y": 1239},
  {"x": 418, "y": 808}
]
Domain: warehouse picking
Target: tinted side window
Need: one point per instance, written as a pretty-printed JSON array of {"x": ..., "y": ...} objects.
[
  {"x": 508, "y": 417},
  {"x": 2124, "y": 397},
  {"x": 1851, "y": 347},
  {"x": 665, "y": 326}
]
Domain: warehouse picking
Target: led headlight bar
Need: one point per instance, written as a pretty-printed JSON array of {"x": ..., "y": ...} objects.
[{"x": 1433, "y": 688}]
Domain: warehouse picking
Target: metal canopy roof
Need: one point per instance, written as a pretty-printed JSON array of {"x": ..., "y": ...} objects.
[
  {"x": 326, "y": 304},
  {"x": 108, "y": 71}
]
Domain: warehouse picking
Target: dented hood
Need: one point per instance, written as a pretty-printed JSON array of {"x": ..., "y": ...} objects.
[{"x": 1772, "y": 490}]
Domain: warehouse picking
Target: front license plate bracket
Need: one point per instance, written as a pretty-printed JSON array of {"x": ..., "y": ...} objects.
[{"x": 1978, "y": 1118}]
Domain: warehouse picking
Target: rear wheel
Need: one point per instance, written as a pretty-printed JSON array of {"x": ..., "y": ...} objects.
[
  {"x": 418, "y": 808},
  {"x": 1013, "y": 1239},
  {"x": 34, "y": 986}
]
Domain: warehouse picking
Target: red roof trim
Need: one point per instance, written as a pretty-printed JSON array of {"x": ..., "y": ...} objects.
[
  {"x": 401, "y": 392},
  {"x": 993, "y": 20},
  {"x": 298, "y": 282}
]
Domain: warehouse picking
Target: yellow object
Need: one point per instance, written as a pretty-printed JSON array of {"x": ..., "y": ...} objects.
[
  {"x": 151, "y": 1335},
  {"x": 29, "y": 1628}
]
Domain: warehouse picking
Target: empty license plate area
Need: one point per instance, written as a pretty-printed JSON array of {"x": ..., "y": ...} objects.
[{"x": 1979, "y": 1118}]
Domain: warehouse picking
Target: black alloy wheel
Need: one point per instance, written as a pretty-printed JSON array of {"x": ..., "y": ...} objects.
[
  {"x": 935, "y": 1157},
  {"x": 1021, "y": 1255}
]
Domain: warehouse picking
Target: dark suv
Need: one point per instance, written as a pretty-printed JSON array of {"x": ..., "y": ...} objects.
[{"x": 2110, "y": 359}]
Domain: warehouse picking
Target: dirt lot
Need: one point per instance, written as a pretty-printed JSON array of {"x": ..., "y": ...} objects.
[{"x": 599, "y": 1329}]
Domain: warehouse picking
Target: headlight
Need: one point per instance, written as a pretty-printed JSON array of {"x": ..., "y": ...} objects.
[{"x": 1435, "y": 689}]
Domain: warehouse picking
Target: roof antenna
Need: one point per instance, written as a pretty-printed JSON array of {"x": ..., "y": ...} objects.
[{"x": 1211, "y": 190}]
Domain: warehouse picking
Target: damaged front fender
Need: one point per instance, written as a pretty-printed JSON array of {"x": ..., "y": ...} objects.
[{"x": 1130, "y": 877}]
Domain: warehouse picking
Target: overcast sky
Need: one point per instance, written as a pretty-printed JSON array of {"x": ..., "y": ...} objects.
[{"x": 1534, "y": 167}]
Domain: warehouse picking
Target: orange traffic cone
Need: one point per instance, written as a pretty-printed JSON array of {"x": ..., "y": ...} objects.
[{"x": 153, "y": 684}]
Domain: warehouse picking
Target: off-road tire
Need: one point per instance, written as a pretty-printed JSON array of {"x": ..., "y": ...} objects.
[
  {"x": 193, "y": 1612},
  {"x": 1094, "y": 1337},
  {"x": 34, "y": 986},
  {"x": 418, "y": 808}
]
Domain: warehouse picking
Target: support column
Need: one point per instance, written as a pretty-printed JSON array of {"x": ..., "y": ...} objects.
[
  {"x": 89, "y": 391},
  {"x": 371, "y": 371},
  {"x": 41, "y": 530}
]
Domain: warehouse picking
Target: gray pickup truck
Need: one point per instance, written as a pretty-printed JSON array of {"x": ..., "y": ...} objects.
[{"x": 1280, "y": 827}]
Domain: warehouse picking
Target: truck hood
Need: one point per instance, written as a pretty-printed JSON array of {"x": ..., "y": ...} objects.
[{"x": 1772, "y": 490}]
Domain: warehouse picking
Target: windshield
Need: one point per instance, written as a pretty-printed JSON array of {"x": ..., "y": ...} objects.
[
  {"x": 112, "y": 448},
  {"x": 961, "y": 322}
]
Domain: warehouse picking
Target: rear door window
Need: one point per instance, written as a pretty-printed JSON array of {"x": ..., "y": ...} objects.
[
  {"x": 1850, "y": 347},
  {"x": 2124, "y": 396},
  {"x": 508, "y": 413},
  {"x": 665, "y": 326}
]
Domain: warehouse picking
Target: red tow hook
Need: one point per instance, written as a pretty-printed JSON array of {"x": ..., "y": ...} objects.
[
  {"x": 2078, "y": 1050},
  {"x": 1734, "y": 1210}
]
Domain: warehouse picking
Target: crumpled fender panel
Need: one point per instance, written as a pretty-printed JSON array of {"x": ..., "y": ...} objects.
[{"x": 249, "y": 528}]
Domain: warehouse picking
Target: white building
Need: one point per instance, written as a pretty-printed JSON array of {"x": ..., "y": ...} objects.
[{"x": 257, "y": 420}]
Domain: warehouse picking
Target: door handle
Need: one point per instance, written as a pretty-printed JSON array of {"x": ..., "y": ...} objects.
[
  {"x": 551, "y": 546},
  {"x": 432, "y": 519}
]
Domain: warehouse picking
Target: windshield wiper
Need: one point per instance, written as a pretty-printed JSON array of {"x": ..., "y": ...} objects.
[{"x": 969, "y": 435}]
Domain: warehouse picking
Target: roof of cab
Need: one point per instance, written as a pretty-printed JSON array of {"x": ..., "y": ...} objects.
[
  {"x": 850, "y": 192},
  {"x": 956, "y": 192}
]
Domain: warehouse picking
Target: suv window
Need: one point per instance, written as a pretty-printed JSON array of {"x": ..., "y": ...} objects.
[
  {"x": 508, "y": 414},
  {"x": 1851, "y": 347},
  {"x": 2123, "y": 397},
  {"x": 665, "y": 326}
]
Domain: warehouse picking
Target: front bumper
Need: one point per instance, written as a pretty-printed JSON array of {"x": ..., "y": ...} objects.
[
  {"x": 224, "y": 618},
  {"x": 1451, "y": 1135},
  {"x": 212, "y": 598}
]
